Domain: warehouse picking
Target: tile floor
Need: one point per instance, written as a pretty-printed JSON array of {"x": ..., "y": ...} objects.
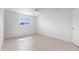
[{"x": 37, "y": 42}]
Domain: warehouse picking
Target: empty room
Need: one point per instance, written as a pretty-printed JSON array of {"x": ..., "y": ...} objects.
[{"x": 39, "y": 29}]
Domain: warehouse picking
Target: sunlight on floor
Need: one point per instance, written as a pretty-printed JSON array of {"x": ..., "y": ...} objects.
[
  {"x": 24, "y": 38},
  {"x": 25, "y": 43}
]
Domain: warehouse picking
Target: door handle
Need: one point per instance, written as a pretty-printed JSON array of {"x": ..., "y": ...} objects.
[{"x": 73, "y": 28}]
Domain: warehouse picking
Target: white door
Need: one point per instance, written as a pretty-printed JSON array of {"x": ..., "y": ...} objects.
[
  {"x": 75, "y": 26},
  {"x": 1, "y": 26}
]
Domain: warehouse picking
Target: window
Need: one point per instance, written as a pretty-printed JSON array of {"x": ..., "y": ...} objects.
[{"x": 24, "y": 20}]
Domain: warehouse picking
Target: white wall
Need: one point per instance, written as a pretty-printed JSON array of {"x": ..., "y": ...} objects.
[
  {"x": 13, "y": 28},
  {"x": 55, "y": 23},
  {"x": 51, "y": 22},
  {"x": 1, "y": 26}
]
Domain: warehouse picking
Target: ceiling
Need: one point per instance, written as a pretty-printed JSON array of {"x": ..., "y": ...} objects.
[{"x": 29, "y": 11}]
